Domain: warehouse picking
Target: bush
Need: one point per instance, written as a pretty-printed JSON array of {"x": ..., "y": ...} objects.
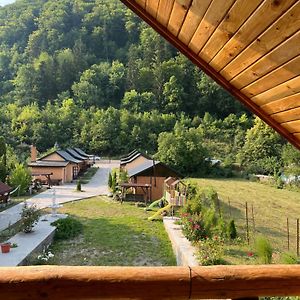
[
  {"x": 210, "y": 251},
  {"x": 78, "y": 187},
  {"x": 67, "y": 228},
  {"x": 109, "y": 180},
  {"x": 289, "y": 258},
  {"x": 29, "y": 217},
  {"x": 193, "y": 227},
  {"x": 20, "y": 176},
  {"x": 231, "y": 230},
  {"x": 263, "y": 249}
]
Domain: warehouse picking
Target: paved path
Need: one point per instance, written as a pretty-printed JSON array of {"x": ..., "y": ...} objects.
[
  {"x": 64, "y": 193},
  {"x": 28, "y": 243}
]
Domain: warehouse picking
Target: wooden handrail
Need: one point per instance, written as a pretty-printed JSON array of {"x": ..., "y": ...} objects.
[{"x": 218, "y": 282}]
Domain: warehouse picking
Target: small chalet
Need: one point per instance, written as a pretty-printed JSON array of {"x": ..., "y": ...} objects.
[
  {"x": 59, "y": 166},
  {"x": 4, "y": 192},
  {"x": 133, "y": 159},
  {"x": 147, "y": 177}
]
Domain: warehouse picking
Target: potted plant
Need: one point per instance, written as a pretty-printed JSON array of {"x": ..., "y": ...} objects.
[{"x": 5, "y": 247}]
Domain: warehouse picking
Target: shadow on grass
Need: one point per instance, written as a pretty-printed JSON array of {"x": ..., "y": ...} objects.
[
  {"x": 230, "y": 211},
  {"x": 270, "y": 232}
]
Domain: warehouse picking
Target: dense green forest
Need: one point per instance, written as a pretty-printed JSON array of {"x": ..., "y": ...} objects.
[{"x": 92, "y": 74}]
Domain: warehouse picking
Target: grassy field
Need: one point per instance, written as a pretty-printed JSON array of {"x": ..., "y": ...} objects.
[
  {"x": 271, "y": 208},
  {"x": 113, "y": 234}
]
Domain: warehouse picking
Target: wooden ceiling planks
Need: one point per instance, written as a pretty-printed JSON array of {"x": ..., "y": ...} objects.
[
  {"x": 178, "y": 15},
  {"x": 152, "y": 7},
  {"x": 251, "y": 48},
  {"x": 277, "y": 57},
  {"x": 274, "y": 78},
  {"x": 236, "y": 16},
  {"x": 261, "y": 19},
  {"x": 212, "y": 18},
  {"x": 284, "y": 104},
  {"x": 282, "y": 29},
  {"x": 285, "y": 89},
  {"x": 193, "y": 19},
  {"x": 287, "y": 116},
  {"x": 164, "y": 12}
]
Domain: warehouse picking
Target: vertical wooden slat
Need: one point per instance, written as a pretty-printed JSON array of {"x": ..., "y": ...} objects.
[
  {"x": 280, "y": 55},
  {"x": 213, "y": 17},
  {"x": 236, "y": 16},
  {"x": 193, "y": 19},
  {"x": 141, "y": 3},
  {"x": 178, "y": 15},
  {"x": 152, "y": 7},
  {"x": 164, "y": 11},
  {"x": 261, "y": 19},
  {"x": 282, "y": 29}
]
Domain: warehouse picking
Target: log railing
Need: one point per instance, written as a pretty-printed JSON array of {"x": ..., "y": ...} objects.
[{"x": 218, "y": 282}]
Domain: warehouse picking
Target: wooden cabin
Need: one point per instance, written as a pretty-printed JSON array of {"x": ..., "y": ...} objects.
[
  {"x": 133, "y": 159},
  {"x": 59, "y": 166},
  {"x": 153, "y": 173},
  {"x": 4, "y": 193}
]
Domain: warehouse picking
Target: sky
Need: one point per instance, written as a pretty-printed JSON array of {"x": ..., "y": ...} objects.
[{"x": 4, "y": 2}]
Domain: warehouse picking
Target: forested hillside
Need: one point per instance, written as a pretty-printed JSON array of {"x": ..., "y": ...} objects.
[{"x": 90, "y": 73}]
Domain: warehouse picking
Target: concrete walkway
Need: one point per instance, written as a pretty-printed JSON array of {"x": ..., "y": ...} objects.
[
  {"x": 28, "y": 243},
  {"x": 64, "y": 193},
  {"x": 43, "y": 231}
]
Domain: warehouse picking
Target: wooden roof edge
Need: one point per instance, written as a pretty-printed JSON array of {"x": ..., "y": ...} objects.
[{"x": 204, "y": 66}]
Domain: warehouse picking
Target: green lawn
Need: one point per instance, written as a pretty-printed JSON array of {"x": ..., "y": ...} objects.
[
  {"x": 271, "y": 208},
  {"x": 113, "y": 234}
]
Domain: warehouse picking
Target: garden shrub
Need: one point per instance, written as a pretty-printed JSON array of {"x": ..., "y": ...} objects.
[
  {"x": 263, "y": 249},
  {"x": 78, "y": 187},
  {"x": 210, "y": 251},
  {"x": 193, "y": 227},
  {"x": 29, "y": 217},
  {"x": 67, "y": 228},
  {"x": 21, "y": 177},
  {"x": 289, "y": 258},
  {"x": 231, "y": 230}
]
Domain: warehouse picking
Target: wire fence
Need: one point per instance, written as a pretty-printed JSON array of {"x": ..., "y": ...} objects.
[{"x": 251, "y": 220}]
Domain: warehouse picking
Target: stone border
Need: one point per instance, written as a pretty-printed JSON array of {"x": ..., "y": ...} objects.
[
  {"x": 182, "y": 247},
  {"x": 29, "y": 243}
]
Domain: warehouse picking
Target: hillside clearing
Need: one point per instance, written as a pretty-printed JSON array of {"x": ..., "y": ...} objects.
[{"x": 271, "y": 208}]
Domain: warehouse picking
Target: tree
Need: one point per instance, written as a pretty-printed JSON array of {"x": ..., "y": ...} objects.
[
  {"x": 183, "y": 150},
  {"x": 261, "y": 152},
  {"x": 20, "y": 176},
  {"x": 291, "y": 160},
  {"x": 3, "y": 160},
  {"x": 109, "y": 180}
]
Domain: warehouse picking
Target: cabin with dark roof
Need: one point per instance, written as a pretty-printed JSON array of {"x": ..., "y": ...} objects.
[
  {"x": 57, "y": 166},
  {"x": 153, "y": 174},
  {"x": 133, "y": 159}
]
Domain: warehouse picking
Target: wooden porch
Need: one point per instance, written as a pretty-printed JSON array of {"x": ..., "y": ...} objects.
[{"x": 217, "y": 282}]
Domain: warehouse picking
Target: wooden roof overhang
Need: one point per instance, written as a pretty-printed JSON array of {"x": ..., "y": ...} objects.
[{"x": 251, "y": 48}]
